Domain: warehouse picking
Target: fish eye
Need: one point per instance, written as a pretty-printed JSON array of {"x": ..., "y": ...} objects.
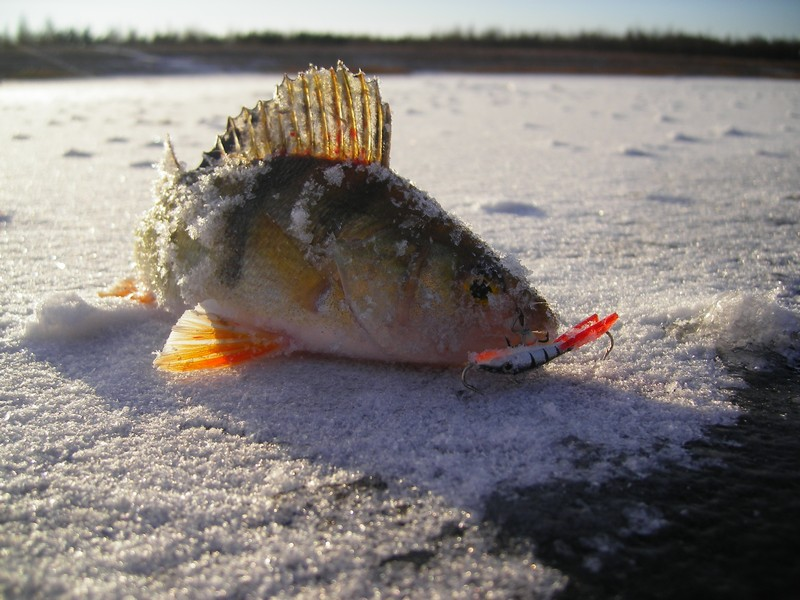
[
  {"x": 480, "y": 289},
  {"x": 507, "y": 367}
]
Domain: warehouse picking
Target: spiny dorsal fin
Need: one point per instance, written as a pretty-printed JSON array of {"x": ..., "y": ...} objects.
[
  {"x": 327, "y": 113},
  {"x": 169, "y": 163}
]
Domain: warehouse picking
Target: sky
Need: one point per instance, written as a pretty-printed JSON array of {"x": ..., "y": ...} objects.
[{"x": 719, "y": 18}]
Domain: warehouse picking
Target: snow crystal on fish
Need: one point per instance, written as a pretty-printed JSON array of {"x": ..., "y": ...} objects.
[
  {"x": 300, "y": 222},
  {"x": 334, "y": 175}
]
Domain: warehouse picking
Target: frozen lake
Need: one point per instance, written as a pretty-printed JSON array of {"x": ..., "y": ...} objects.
[{"x": 672, "y": 201}]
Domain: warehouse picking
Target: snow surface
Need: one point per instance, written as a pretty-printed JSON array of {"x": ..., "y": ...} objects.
[{"x": 674, "y": 202}]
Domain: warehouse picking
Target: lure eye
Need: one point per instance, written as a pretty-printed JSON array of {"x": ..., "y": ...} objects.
[{"x": 507, "y": 367}]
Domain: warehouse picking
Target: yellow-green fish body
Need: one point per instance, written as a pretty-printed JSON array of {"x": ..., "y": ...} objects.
[{"x": 294, "y": 234}]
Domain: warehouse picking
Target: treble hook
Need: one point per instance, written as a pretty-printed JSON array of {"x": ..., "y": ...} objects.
[
  {"x": 611, "y": 347},
  {"x": 464, "y": 379}
]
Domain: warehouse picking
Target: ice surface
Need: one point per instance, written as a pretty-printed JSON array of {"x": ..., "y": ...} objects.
[{"x": 671, "y": 201}]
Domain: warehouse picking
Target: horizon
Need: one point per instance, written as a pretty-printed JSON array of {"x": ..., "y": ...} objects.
[{"x": 718, "y": 19}]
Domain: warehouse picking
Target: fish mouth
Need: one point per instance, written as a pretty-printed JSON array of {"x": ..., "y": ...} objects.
[{"x": 523, "y": 333}]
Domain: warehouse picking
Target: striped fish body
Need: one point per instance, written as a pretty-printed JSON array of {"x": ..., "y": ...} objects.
[{"x": 319, "y": 244}]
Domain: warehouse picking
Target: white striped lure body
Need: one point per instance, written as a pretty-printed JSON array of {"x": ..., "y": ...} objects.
[{"x": 517, "y": 359}]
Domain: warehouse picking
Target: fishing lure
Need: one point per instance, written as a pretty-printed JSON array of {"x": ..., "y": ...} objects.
[{"x": 524, "y": 357}]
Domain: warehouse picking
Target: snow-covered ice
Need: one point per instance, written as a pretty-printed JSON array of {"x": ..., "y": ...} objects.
[{"x": 675, "y": 202}]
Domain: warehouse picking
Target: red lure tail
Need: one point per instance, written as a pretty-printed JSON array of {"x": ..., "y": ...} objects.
[{"x": 584, "y": 332}]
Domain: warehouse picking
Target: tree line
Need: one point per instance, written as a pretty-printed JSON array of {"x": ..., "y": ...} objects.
[{"x": 673, "y": 42}]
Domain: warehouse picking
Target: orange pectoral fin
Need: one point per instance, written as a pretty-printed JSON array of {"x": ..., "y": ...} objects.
[
  {"x": 128, "y": 288},
  {"x": 202, "y": 340}
]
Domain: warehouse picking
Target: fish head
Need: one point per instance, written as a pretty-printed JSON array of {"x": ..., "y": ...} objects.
[
  {"x": 500, "y": 306},
  {"x": 426, "y": 298}
]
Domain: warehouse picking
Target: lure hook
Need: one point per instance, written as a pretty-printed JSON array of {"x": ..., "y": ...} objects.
[
  {"x": 611, "y": 347},
  {"x": 464, "y": 379}
]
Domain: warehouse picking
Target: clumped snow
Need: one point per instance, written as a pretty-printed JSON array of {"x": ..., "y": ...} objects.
[{"x": 671, "y": 201}]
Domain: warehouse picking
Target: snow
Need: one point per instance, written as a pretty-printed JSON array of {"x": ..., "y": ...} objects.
[
  {"x": 334, "y": 175},
  {"x": 671, "y": 201}
]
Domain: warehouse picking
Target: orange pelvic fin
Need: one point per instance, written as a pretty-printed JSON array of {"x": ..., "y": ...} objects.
[
  {"x": 203, "y": 340},
  {"x": 128, "y": 288},
  {"x": 584, "y": 332}
]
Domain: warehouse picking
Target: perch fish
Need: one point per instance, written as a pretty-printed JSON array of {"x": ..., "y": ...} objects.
[{"x": 293, "y": 234}]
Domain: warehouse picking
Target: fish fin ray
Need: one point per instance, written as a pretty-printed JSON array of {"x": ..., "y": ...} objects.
[
  {"x": 170, "y": 163},
  {"x": 326, "y": 113},
  {"x": 202, "y": 340},
  {"x": 128, "y": 288}
]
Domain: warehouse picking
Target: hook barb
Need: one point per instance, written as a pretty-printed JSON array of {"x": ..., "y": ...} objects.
[{"x": 464, "y": 379}]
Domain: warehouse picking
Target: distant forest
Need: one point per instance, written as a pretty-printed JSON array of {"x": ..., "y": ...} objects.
[
  {"x": 634, "y": 41},
  {"x": 51, "y": 52}
]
